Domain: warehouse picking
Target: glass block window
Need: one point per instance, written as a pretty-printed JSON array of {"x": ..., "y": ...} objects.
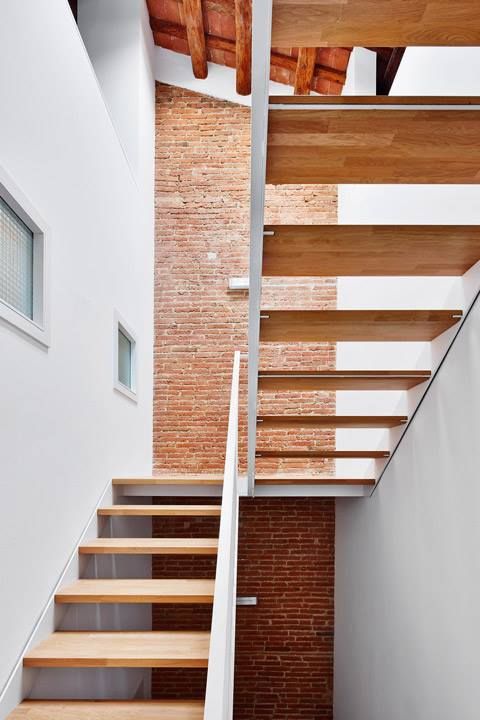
[
  {"x": 16, "y": 261},
  {"x": 124, "y": 360}
]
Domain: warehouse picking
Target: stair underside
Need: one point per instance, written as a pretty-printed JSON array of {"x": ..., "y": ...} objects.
[
  {"x": 172, "y": 479},
  {"x": 370, "y": 250},
  {"x": 150, "y": 546},
  {"x": 108, "y": 710},
  {"x": 269, "y": 422},
  {"x": 121, "y": 649},
  {"x": 355, "y": 325},
  {"x": 137, "y": 591},
  {"x": 306, "y": 380},
  {"x": 298, "y": 479},
  {"x": 332, "y": 454},
  {"x": 160, "y": 510}
]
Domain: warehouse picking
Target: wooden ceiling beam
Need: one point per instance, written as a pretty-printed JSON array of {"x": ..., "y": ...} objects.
[
  {"x": 196, "y": 37},
  {"x": 243, "y": 45},
  {"x": 305, "y": 70}
]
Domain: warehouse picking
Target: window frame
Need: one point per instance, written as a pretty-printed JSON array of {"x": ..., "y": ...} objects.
[
  {"x": 37, "y": 327},
  {"x": 119, "y": 325}
]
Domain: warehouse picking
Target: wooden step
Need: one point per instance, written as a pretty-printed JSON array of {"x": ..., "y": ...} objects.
[
  {"x": 121, "y": 649},
  {"x": 355, "y": 325},
  {"x": 160, "y": 510},
  {"x": 150, "y": 546},
  {"x": 356, "y": 145},
  {"x": 332, "y": 454},
  {"x": 173, "y": 479},
  {"x": 299, "y": 479},
  {"x": 137, "y": 591},
  {"x": 330, "y": 421},
  {"x": 363, "y": 23},
  {"x": 307, "y": 380},
  {"x": 366, "y": 250},
  {"x": 109, "y": 710}
]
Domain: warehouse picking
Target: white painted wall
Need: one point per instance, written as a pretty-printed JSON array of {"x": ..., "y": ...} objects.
[
  {"x": 407, "y": 574},
  {"x": 64, "y": 430}
]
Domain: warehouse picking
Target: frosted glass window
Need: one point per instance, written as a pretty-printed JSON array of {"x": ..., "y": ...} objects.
[
  {"x": 124, "y": 360},
  {"x": 16, "y": 261}
]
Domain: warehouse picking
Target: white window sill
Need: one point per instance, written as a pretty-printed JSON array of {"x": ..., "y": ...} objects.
[
  {"x": 124, "y": 390},
  {"x": 14, "y": 318}
]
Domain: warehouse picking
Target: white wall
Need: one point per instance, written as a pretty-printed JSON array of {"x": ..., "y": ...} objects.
[
  {"x": 407, "y": 592},
  {"x": 64, "y": 430}
]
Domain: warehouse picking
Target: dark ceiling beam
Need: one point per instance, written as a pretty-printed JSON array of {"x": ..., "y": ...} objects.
[
  {"x": 388, "y": 63},
  {"x": 193, "y": 13},
  {"x": 243, "y": 34},
  {"x": 305, "y": 70}
]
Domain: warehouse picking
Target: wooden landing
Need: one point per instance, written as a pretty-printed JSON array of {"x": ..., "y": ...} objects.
[
  {"x": 108, "y": 710},
  {"x": 355, "y": 325},
  {"x": 150, "y": 546},
  {"x": 334, "y": 146},
  {"x": 375, "y": 23},
  {"x": 271, "y": 422},
  {"x": 370, "y": 250},
  {"x": 137, "y": 591},
  {"x": 329, "y": 454},
  {"x": 160, "y": 510},
  {"x": 121, "y": 649},
  {"x": 307, "y": 380}
]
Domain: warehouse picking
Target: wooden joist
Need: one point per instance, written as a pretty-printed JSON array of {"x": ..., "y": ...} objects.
[
  {"x": 271, "y": 422},
  {"x": 137, "y": 591},
  {"x": 243, "y": 46},
  {"x": 307, "y": 380},
  {"x": 150, "y": 546},
  {"x": 359, "y": 145},
  {"x": 327, "y": 454},
  {"x": 300, "y": 479},
  {"x": 196, "y": 37},
  {"x": 108, "y": 710},
  {"x": 121, "y": 649},
  {"x": 160, "y": 510},
  {"x": 365, "y": 250},
  {"x": 304, "y": 71},
  {"x": 367, "y": 23},
  {"x": 355, "y": 325}
]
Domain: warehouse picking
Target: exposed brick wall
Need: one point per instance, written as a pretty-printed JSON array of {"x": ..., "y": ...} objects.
[
  {"x": 284, "y": 649},
  {"x": 202, "y": 238}
]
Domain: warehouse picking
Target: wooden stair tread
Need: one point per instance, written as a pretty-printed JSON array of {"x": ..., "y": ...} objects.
[
  {"x": 108, "y": 710},
  {"x": 173, "y": 479},
  {"x": 160, "y": 510},
  {"x": 369, "y": 250},
  {"x": 285, "y": 479},
  {"x": 137, "y": 591},
  {"x": 150, "y": 546},
  {"x": 121, "y": 649},
  {"x": 328, "y": 145},
  {"x": 304, "y": 380},
  {"x": 333, "y": 454},
  {"x": 374, "y": 100},
  {"x": 355, "y": 325},
  {"x": 330, "y": 421}
]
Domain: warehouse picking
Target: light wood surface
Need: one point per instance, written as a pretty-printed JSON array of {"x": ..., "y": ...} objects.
[
  {"x": 121, "y": 649},
  {"x": 307, "y": 380},
  {"x": 358, "y": 250},
  {"x": 150, "y": 546},
  {"x": 355, "y": 325},
  {"x": 137, "y": 591},
  {"x": 369, "y": 146},
  {"x": 160, "y": 510},
  {"x": 369, "y": 23},
  {"x": 243, "y": 46},
  {"x": 108, "y": 710},
  {"x": 375, "y": 100},
  {"x": 193, "y": 13},
  {"x": 332, "y": 454},
  {"x": 304, "y": 70},
  {"x": 299, "y": 479},
  {"x": 173, "y": 479},
  {"x": 271, "y": 422}
]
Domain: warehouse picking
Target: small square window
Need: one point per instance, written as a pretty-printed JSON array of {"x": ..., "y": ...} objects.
[{"x": 124, "y": 360}]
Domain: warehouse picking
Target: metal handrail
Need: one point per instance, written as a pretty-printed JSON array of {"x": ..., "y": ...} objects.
[{"x": 219, "y": 692}]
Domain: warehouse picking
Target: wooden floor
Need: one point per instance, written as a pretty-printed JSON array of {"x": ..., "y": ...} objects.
[
  {"x": 150, "y": 546},
  {"x": 372, "y": 146},
  {"x": 375, "y": 23},
  {"x": 354, "y": 325},
  {"x": 307, "y": 380},
  {"x": 109, "y": 710},
  {"x": 121, "y": 649},
  {"x": 370, "y": 250},
  {"x": 137, "y": 591},
  {"x": 271, "y": 422}
]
